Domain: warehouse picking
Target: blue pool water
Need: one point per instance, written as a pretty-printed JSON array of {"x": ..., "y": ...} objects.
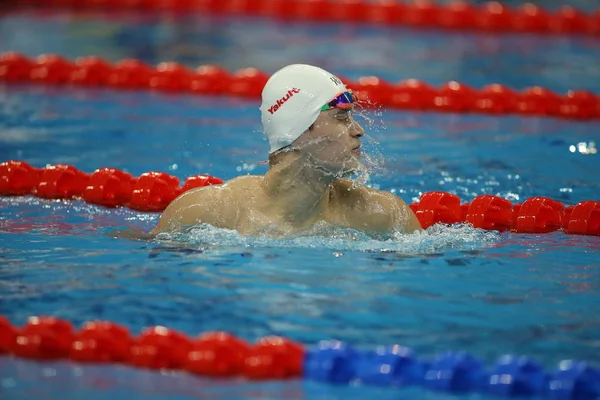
[{"x": 449, "y": 288}]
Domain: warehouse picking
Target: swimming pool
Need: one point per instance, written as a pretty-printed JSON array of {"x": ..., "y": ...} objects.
[{"x": 454, "y": 288}]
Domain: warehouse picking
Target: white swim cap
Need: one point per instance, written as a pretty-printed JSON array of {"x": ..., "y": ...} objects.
[{"x": 292, "y": 100}]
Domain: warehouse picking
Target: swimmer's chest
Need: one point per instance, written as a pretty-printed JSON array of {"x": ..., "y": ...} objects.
[
  {"x": 361, "y": 210},
  {"x": 254, "y": 219},
  {"x": 251, "y": 216},
  {"x": 252, "y": 222},
  {"x": 348, "y": 211}
]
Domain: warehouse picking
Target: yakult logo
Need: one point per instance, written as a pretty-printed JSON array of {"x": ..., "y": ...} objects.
[{"x": 282, "y": 100}]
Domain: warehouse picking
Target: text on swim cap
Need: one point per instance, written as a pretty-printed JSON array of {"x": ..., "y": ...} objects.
[
  {"x": 282, "y": 100},
  {"x": 335, "y": 80}
]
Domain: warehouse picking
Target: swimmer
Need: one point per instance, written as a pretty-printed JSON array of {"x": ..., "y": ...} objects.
[{"x": 315, "y": 143}]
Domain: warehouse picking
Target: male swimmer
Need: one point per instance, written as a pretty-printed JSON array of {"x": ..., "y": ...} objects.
[{"x": 306, "y": 113}]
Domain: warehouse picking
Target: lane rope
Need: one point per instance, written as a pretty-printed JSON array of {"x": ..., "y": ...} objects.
[
  {"x": 408, "y": 94},
  {"x": 492, "y": 16},
  {"x": 223, "y": 355},
  {"x": 153, "y": 191}
]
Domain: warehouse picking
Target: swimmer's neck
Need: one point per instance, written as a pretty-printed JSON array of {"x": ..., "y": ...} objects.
[{"x": 296, "y": 192}]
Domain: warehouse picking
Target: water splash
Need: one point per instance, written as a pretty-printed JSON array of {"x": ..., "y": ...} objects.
[
  {"x": 372, "y": 160},
  {"x": 437, "y": 238}
]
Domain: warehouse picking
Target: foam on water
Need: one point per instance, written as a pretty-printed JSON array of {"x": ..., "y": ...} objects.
[
  {"x": 433, "y": 240},
  {"x": 82, "y": 217}
]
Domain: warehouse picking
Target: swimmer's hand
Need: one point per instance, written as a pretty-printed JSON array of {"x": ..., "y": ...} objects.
[{"x": 131, "y": 233}]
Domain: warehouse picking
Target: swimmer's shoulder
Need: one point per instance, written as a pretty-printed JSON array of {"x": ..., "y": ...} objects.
[
  {"x": 222, "y": 194},
  {"x": 346, "y": 190},
  {"x": 350, "y": 194},
  {"x": 216, "y": 205},
  {"x": 221, "y": 190},
  {"x": 246, "y": 180}
]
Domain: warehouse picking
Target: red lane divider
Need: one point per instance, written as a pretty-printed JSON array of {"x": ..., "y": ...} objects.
[
  {"x": 61, "y": 182},
  {"x": 222, "y": 355},
  {"x": 109, "y": 187},
  {"x": 410, "y": 94},
  {"x": 153, "y": 191},
  {"x": 489, "y": 212},
  {"x": 534, "y": 215},
  {"x": 217, "y": 354},
  {"x": 491, "y": 16}
]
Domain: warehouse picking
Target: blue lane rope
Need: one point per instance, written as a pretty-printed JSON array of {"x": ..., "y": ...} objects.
[{"x": 458, "y": 372}]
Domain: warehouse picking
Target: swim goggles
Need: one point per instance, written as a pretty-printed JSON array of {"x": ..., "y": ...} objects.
[{"x": 341, "y": 100}]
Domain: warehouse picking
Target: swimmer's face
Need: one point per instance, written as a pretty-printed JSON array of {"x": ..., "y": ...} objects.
[{"x": 334, "y": 142}]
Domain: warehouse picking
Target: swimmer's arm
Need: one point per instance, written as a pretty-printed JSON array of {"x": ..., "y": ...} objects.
[
  {"x": 403, "y": 219},
  {"x": 378, "y": 209},
  {"x": 208, "y": 205},
  {"x": 404, "y": 216}
]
